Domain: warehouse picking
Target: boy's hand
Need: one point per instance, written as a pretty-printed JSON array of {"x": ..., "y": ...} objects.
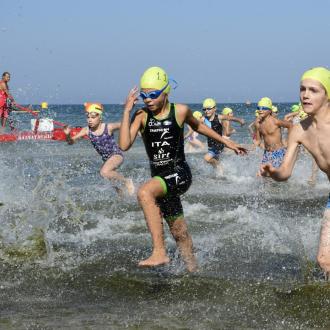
[
  {"x": 131, "y": 99},
  {"x": 267, "y": 169},
  {"x": 240, "y": 150}
]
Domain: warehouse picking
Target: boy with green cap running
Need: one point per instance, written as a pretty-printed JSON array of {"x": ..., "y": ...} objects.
[
  {"x": 214, "y": 121},
  {"x": 268, "y": 130},
  {"x": 161, "y": 124},
  {"x": 313, "y": 134}
]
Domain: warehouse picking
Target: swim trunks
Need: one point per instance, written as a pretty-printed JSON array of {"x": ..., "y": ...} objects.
[{"x": 274, "y": 157}]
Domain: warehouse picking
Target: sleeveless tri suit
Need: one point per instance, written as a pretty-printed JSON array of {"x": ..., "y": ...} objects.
[
  {"x": 164, "y": 143},
  {"x": 215, "y": 148}
]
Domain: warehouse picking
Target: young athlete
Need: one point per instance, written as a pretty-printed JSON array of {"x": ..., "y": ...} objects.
[
  {"x": 214, "y": 121},
  {"x": 161, "y": 124},
  {"x": 313, "y": 134},
  {"x": 268, "y": 129},
  {"x": 102, "y": 139},
  {"x": 226, "y": 123}
]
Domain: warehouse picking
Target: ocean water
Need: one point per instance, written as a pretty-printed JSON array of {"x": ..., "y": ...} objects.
[{"x": 69, "y": 245}]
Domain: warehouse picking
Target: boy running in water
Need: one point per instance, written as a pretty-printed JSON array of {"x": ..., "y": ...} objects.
[
  {"x": 313, "y": 134},
  {"x": 268, "y": 129},
  {"x": 161, "y": 124},
  {"x": 102, "y": 139},
  {"x": 214, "y": 121}
]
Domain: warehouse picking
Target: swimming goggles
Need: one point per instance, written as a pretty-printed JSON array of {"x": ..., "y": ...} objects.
[
  {"x": 153, "y": 94},
  {"x": 263, "y": 109},
  {"x": 207, "y": 109}
]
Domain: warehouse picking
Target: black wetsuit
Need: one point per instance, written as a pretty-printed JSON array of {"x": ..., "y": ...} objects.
[
  {"x": 214, "y": 147},
  {"x": 163, "y": 140}
]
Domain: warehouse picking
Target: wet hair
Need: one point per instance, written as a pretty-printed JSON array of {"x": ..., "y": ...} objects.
[{"x": 5, "y": 73}]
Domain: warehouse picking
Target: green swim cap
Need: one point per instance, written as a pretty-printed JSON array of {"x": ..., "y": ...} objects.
[
  {"x": 156, "y": 78},
  {"x": 302, "y": 114},
  {"x": 209, "y": 103},
  {"x": 265, "y": 102},
  {"x": 322, "y": 75},
  {"x": 197, "y": 114},
  {"x": 274, "y": 109},
  {"x": 227, "y": 111},
  {"x": 295, "y": 108}
]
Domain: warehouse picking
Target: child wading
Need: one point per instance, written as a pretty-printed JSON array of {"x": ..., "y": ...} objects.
[
  {"x": 161, "y": 125},
  {"x": 102, "y": 139}
]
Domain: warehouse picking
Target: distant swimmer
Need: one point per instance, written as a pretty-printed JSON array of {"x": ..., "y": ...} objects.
[
  {"x": 161, "y": 124},
  {"x": 226, "y": 123},
  {"x": 296, "y": 116},
  {"x": 268, "y": 130},
  {"x": 102, "y": 139},
  {"x": 253, "y": 131},
  {"x": 191, "y": 138},
  {"x": 313, "y": 134},
  {"x": 214, "y": 121},
  {"x": 5, "y": 98}
]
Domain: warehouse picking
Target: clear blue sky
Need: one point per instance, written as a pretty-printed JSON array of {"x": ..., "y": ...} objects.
[{"x": 71, "y": 51}]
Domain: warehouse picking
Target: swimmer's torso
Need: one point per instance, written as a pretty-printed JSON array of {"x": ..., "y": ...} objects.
[
  {"x": 105, "y": 143},
  {"x": 216, "y": 125},
  {"x": 163, "y": 140},
  {"x": 271, "y": 133},
  {"x": 317, "y": 141}
]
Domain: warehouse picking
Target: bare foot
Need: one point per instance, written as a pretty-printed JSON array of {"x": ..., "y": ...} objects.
[
  {"x": 191, "y": 266},
  {"x": 130, "y": 186},
  {"x": 154, "y": 260},
  {"x": 311, "y": 181}
]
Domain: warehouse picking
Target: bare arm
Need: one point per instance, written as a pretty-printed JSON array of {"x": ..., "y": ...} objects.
[
  {"x": 128, "y": 131},
  {"x": 290, "y": 116},
  {"x": 113, "y": 127},
  {"x": 231, "y": 118},
  {"x": 72, "y": 139},
  {"x": 285, "y": 170},
  {"x": 252, "y": 128},
  {"x": 258, "y": 139},
  {"x": 190, "y": 131},
  {"x": 284, "y": 123}
]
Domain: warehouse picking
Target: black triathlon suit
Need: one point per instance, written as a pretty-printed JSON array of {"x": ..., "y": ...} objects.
[
  {"x": 163, "y": 140},
  {"x": 214, "y": 147}
]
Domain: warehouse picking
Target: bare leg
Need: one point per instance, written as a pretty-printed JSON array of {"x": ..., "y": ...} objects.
[
  {"x": 183, "y": 240},
  {"x": 147, "y": 195},
  {"x": 312, "y": 178},
  {"x": 108, "y": 171},
  {"x": 215, "y": 163},
  {"x": 197, "y": 144},
  {"x": 323, "y": 256}
]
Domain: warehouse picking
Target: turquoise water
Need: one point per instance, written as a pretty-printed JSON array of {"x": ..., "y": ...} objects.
[{"x": 69, "y": 245}]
